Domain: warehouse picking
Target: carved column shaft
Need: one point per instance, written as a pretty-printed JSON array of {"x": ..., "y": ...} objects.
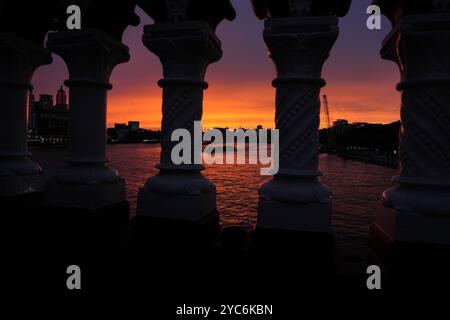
[
  {"x": 299, "y": 54},
  {"x": 185, "y": 50},
  {"x": 19, "y": 59},
  {"x": 425, "y": 136},
  {"x": 90, "y": 56},
  {"x": 422, "y": 52},
  {"x": 87, "y": 142},
  {"x": 299, "y": 48}
]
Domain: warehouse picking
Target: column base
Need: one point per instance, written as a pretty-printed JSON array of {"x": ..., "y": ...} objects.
[
  {"x": 177, "y": 196},
  {"x": 280, "y": 240},
  {"x": 22, "y": 222},
  {"x": 86, "y": 216},
  {"x": 16, "y": 185},
  {"x": 85, "y": 196},
  {"x": 176, "y": 235},
  {"x": 412, "y": 226},
  {"x": 30, "y": 225},
  {"x": 295, "y": 204},
  {"x": 87, "y": 229},
  {"x": 176, "y": 207},
  {"x": 294, "y": 219},
  {"x": 295, "y": 259},
  {"x": 177, "y": 210},
  {"x": 409, "y": 254},
  {"x": 277, "y": 215},
  {"x": 410, "y": 245},
  {"x": 413, "y": 269}
]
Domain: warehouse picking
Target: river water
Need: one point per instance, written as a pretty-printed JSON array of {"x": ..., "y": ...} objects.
[{"x": 356, "y": 186}]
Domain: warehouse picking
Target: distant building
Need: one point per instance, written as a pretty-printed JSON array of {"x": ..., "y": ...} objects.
[
  {"x": 365, "y": 124},
  {"x": 134, "y": 126},
  {"x": 360, "y": 135},
  {"x": 46, "y": 102},
  {"x": 359, "y": 124},
  {"x": 121, "y": 131},
  {"x": 339, "y": 126},
  {"x": 48, "y": 123},
  {"x": 340, "y": 123},
  {"x": 132, "y": 133},
  {"x": 61, "y": 100}
]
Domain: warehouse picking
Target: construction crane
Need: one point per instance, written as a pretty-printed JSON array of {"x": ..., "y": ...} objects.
[
  {"x": 327, "y": 111},
  {"x": 328, "y": 119}
]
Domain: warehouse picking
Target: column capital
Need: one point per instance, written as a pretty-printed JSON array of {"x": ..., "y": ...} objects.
[
  {"x": 415, "y": 37},
  {"x": 172, "y": 11},
  {"x": 90, "y": 55},
  {"x": 424, "y": 49},
  {"x": 20, "y": 60},
  {"x": 300, "y": 46},
  {"x": 185, "y": 49}
]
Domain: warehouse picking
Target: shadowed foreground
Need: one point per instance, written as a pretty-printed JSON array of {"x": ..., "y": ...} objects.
[{"x": 150, "y": 259}]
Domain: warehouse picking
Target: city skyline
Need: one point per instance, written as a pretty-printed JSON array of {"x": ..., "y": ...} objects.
[
  {"x": 355, "y": 76},
  {"x": 124, "y": 121}
]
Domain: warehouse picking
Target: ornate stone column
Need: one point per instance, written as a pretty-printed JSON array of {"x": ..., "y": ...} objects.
[
  {"x": 19, "y": 58},
  {"x": 299, "y": 42},
  {"x": 185, "y": 42},
  {"x": 87, "y": 182},
  {"x": 185, "y": 49},
  {"x": 418, "y": 208}
]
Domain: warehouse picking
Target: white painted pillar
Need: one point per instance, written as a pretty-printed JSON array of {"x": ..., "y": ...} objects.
[
  {"x": 87, "y": 182},
  {"x": 294, "y": 199},
  {"x": 418, "y": 208},
  {"x": 180, "y": 192},
  {"x": 18, "y": 60}
]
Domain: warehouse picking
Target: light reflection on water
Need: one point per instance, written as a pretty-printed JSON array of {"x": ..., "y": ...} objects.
[{"x": 356, "y": 186}]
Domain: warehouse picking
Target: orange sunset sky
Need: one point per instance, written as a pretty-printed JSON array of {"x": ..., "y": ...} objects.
[{"x": 360, "y": 85}]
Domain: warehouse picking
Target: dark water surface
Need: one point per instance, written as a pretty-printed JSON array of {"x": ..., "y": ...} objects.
[{"x": 356, "y": 186}]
